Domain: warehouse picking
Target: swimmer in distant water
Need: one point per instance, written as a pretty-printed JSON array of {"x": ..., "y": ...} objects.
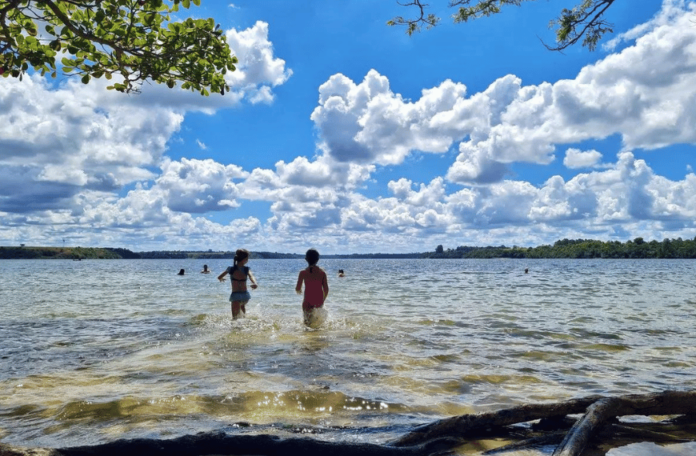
[
  {"x": 526, "y": 270},
  {"x": 341, "y": 273},
  {"x": 239, "y": 273},
  {"x": 316, "y": 285},
  {"x": 181, "y": 272},
  {"x": 205, "y": 269}
]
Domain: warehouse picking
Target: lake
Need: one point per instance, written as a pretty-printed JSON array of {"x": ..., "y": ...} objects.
[{"x": 96, "y": 350}]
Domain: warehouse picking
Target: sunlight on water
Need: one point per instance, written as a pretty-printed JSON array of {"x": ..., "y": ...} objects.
[{"x": 97, "y": 350}]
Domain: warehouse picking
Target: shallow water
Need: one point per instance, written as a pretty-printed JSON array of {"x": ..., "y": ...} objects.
[{"x": 92, "y": 351}]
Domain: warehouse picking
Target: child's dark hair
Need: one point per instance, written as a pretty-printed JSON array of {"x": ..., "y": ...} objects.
[
  {"x": 312, "y": 257},
  {"x": 240, "y": 255}
]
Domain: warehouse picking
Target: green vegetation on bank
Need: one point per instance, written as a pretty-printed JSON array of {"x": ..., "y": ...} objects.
[
  {"x": 110, "y": 253},
  {"x": 566, "y": 248},
  {"x": 58, "y": 253},
  {"x": 183, "y": 254},
  {"x": 198, "y": 255},
  {"x": 578, "y": 248}
]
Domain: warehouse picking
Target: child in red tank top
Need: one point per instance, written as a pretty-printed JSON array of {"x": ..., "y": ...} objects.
[{"x": 315, "y": 282}]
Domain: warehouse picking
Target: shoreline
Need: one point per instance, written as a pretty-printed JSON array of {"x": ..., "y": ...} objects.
[{"x": 562, "y": 249}]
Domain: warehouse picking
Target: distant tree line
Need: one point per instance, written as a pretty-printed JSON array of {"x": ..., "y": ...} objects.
[
  {"x": 178, "y": 254},
  {"x": 565, "y": 248},
  {"x": 379, "y": 256},
  {"x": 578, "y": 248},
  {"x": 124, "y": 253},
  {"x": 199, "y": 255},
  {"x": 61, "y": 253}
]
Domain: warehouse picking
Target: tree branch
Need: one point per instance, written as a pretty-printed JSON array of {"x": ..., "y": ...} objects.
[
  {"x": 588, "y": 15},
  {"x": 88, "y": 36},
  {"x": 414, "y": 25},
  {"x": 592, "y": 24}
]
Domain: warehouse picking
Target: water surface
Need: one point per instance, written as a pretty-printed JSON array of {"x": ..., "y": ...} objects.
[{"x": 91, "y": 351}]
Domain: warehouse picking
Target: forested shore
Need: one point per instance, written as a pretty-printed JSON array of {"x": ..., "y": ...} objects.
[
  {"x": 578, "y": 248},
  {"x": 110, "y": 253},
  {"x": 566, "y": 248}
]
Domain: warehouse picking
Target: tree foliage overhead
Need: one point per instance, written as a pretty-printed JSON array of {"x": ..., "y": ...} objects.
[
  {"x": 134, "y": 39},
  {"x": 584, "y": 22}
]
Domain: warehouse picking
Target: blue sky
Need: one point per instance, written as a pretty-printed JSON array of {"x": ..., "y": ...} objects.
[{"x": 347, "y": 135}]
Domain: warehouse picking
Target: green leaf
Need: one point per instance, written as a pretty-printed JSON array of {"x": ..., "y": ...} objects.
[{"x": 85, "y": 79}]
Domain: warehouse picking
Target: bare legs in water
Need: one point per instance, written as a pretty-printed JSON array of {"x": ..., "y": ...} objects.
[{"x": 237, "y": 308}]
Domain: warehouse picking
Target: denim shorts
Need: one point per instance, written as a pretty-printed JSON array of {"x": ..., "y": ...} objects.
[{"x": 240, "y": 296}]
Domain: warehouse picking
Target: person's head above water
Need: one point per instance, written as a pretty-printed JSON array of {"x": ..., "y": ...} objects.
[
  {"x": 312, "y": 257},
  {"x": 240, "y": 255},
  {"x": 181, "y": 272}
]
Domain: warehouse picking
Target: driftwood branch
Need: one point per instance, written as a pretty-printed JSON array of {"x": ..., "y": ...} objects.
[
  {"x": 576, "y": 440},
  {"x": 464, "y": 426},
  {"x": 598, "y": 410},
  {"x": 667, "y": 403}
]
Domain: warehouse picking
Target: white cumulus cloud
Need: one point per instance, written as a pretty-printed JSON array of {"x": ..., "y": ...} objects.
[
  {"x": 646, "y": 94},
  {"x": 576, "y": 158},
  {"x": 258, "y": 69}
]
